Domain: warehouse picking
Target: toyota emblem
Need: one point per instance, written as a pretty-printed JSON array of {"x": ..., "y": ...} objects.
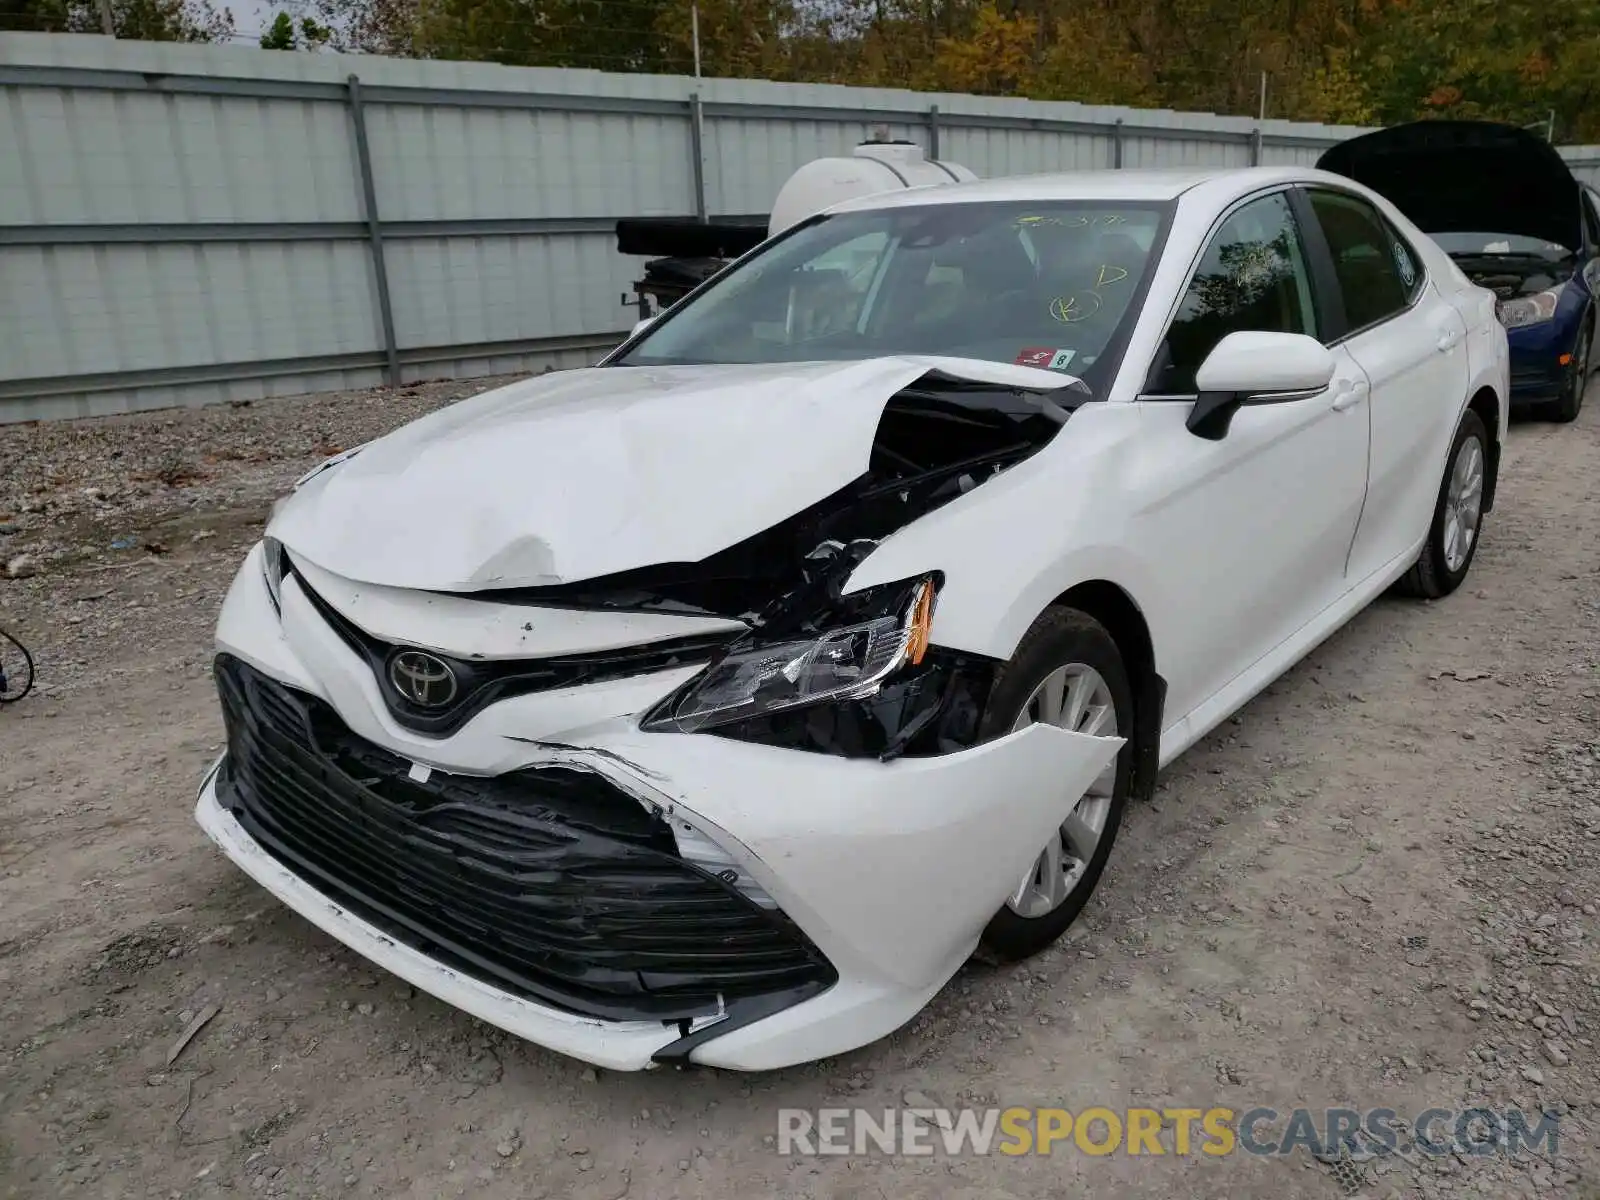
[{"x": 423, "y": 679}]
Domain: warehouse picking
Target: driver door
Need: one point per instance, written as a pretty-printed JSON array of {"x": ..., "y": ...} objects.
[{"x": 1253, "y": 528}]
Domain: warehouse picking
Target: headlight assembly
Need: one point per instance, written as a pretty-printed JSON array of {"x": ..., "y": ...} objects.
[
  {"x": 1530, "y": 310},
  {"x": 847, "y": 662}
]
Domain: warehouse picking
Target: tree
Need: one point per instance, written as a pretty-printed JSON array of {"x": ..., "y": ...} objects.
[
  {"x": 612, "y": 35},
  {"x": 143, "y": 20},
  {"x": 1512, "y": 61},
  {"x": 1338, "y": 61},
  {"x": 373, "y": 26},
  {"x": 285, "y": 33},
  {"x": 998, "y": 55}
]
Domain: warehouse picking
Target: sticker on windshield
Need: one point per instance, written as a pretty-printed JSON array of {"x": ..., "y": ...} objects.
[{"x": 1046, "y": 357}]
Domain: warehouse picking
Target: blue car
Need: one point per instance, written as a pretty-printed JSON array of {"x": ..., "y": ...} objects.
[{"x": 1508, "y": 210}]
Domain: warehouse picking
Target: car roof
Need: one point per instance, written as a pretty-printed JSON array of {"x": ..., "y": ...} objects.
[{"x": 1106, "y": 184}]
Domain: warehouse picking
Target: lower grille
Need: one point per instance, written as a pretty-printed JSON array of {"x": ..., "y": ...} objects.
[{"x": 549, "y": 883}]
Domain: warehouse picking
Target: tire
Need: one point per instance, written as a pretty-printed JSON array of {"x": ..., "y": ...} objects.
[
  {"x": 1062, "y": 638},
  {"x": 1433, "y": 575},
  {"x": 1565, "y": 408}
]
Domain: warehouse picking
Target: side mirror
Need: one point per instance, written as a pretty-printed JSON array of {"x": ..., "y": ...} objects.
[
  {"x": 1250, "y": 367},
  {"x": 640, "y": 326}
]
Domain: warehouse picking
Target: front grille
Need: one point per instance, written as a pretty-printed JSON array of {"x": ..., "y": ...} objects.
[
  {"x": 480, "y": 683},
  {"x": 549, "y": 883}
]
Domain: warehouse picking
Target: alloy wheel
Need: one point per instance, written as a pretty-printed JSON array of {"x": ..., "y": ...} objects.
[
  {"x": 1463, "y": 505},
  {"x": 1074, "y": 697}
]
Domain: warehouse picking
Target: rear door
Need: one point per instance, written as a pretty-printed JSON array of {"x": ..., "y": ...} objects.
[{"x": 1411, "y": 343}]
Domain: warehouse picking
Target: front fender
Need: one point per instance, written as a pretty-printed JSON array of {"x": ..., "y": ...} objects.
[{"x": 1011, "y": 547}]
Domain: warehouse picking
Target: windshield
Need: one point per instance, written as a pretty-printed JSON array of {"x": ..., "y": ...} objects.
[
  {"x": 1477, "y": 244},
  {"x": 1045, "y": 284}
]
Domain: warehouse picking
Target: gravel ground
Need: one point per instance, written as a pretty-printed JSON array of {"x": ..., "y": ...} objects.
[{"x": 1377, "y": 886}]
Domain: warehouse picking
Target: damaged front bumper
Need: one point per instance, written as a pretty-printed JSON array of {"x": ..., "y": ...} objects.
[{"x": 626, "y": 898}]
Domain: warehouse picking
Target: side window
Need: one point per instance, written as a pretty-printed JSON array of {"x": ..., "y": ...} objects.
[
  {"x": 1406, "y": 263},
  {"x": 1364, "y": 260},
  {"x": 1253, "y": 276}
]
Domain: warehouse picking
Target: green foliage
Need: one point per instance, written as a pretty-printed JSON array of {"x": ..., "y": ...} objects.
[
  {"x": 1340, "y": 61},
  {"x": 1507, "y": 60},
  {"x": 285, "y": 33},
  {"x": 145, "y": 20}
]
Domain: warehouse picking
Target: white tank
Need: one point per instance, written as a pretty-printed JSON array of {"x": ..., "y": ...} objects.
[{"x": 874, "y": 167}]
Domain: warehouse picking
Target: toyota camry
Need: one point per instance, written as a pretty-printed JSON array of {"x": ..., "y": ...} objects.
[{"x": 716, "y": 703}]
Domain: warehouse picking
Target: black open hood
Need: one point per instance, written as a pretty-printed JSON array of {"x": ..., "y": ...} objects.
[{"x": 1466, "y": 177}]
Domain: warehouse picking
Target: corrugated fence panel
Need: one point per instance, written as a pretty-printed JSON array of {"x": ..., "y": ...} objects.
[
  {"x": 97, "y": 157},
  {"x": 1000, "y": 152},
  {"x": 1584, "y": 161},
  {"x": 468, "y": 290},
  {"x": 748, "y": 159},
  {"x": 124, "y": 308},
  {"x": 1299, "y": 155},
  {"x": 446, "y": 163},
  {"x": 187, "y": 224}
]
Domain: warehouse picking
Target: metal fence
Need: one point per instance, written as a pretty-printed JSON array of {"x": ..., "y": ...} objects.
[{"x": 186, "y": 224}]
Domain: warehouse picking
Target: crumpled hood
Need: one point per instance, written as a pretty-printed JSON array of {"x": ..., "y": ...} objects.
[
  {"x": 583, "y": 473},
  {"x": 1466, "y": 177}
]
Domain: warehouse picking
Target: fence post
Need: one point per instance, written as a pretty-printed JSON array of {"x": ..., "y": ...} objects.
[
  {"x": 1116, "y": 145},
  {"x": 1255, "y": 146},
  {"x": 369, "y": 204},
  {"x": 933, "y": 132},
  {"x": 697, "y": 142}
]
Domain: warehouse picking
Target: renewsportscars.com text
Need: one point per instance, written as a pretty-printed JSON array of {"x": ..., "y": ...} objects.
[{"x": 1213, "y": 1132}]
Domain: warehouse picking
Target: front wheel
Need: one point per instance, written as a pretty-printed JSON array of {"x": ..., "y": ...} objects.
[
  {"x": 1067, "y": 671},
  {"x": 1565, "y": 407},
  {"x": 1457, "y": 515}
]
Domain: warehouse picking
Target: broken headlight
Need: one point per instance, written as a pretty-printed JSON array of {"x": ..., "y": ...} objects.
[{"x": 843, "y": 662}]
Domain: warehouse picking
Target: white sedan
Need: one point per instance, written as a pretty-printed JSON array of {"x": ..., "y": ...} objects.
[{"x": 716, "y": 703}]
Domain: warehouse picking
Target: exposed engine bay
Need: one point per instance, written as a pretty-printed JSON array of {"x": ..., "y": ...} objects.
[
  {"x": 1509, "y": 275},
  {"x": 937, "y": 440}
]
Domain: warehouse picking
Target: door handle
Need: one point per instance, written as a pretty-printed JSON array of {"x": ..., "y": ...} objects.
[
  {"x": 1447, "y": 341},
  {"x": 1348, "y": 394}
]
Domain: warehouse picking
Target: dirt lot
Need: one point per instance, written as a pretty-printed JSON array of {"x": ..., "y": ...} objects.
[{"x": 1376, "y": 887}]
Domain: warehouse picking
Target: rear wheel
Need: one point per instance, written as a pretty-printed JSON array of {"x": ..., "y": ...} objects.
[
  {"x": 16, "y": 669},
  {"x": 1067, "y": 671},
  {"x": 1457, "y": 515}
]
